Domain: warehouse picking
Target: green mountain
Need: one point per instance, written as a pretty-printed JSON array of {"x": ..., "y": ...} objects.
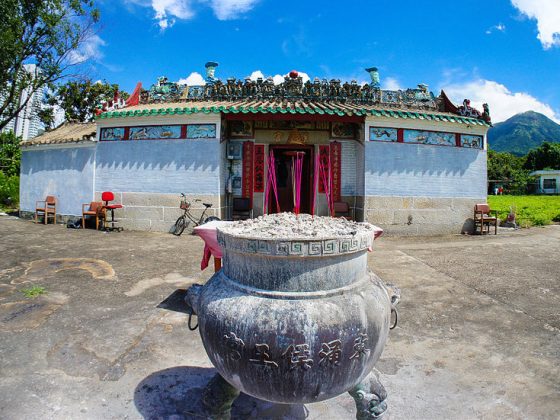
[{"x": 523, "y": 132}]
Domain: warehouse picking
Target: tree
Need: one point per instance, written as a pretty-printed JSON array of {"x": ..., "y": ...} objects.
[
  {"x": 79, "y": 99},
  {"x": 46, "y": 33},
  {"x": 46, "y": 115},
  {"x": 10, "y": 154},
  {"x": 546, "y": 156},
  {"x": 508, "y": 169}
]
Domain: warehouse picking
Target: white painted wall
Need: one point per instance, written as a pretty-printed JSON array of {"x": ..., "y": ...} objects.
[
  {"x": 65, "y": 172},
  {"x": 160, "y": 166},
  {"x": 416, "y": 170},
  {"x": 421, "y": 170}
]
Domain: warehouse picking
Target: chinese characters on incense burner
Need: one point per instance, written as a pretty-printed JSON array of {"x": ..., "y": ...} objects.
[{"x": 295, "y": 356}]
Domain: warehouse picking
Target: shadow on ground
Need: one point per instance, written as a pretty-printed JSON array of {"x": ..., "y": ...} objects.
[{"x": 175, "y": 393}]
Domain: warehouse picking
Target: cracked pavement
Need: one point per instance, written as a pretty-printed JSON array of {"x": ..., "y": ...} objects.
[{"x": 478, "y": 333}]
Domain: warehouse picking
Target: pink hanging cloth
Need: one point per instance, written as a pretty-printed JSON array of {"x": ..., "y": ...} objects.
[{"x": 271, "y": 182}]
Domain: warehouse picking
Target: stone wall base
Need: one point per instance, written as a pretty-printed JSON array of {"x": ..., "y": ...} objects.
[
  {"x": 158, "y": 212},
  {"x": 399, "y": 216},
  {"x": 410, "y": 216},
  {"x": 149, "y": 211}
]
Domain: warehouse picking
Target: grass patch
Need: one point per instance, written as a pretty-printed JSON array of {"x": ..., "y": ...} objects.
[
  {"x": 530, "y": 210},
  {"x": 33, "y": 291}
]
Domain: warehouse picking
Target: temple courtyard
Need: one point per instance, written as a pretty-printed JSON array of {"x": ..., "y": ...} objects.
[{"x": 478, "y": 333}]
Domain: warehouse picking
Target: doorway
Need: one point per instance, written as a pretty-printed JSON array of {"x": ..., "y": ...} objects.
[{"x": 284, "y": 160}]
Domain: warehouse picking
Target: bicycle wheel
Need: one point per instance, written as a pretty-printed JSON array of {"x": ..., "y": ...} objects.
[
  {"x": 210, "y": 219},
  {"x": 180, "y": 226}
]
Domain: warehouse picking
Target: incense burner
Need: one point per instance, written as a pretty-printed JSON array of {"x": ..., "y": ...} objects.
[{"x": 295, "y": 316}]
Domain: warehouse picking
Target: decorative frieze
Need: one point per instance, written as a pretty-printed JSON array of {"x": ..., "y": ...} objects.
[
  {"x": 302, "y": 248},
  {"x": 437, "y": 138},
  {"x": 159, "y": 132}
]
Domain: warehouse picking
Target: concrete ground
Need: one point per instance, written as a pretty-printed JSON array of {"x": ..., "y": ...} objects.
[{"x": 478, "y": 333}]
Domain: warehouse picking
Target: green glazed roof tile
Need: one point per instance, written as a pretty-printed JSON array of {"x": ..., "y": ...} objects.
[{"x": 304, "y": 108}]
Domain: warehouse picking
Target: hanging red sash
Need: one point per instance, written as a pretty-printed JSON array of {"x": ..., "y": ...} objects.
[{"x": 324, "y": 162}]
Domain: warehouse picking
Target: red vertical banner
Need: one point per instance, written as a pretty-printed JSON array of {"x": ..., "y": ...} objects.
[
  {"x": 336, "y": 165},
  {"x": 324, "y": 161},
  {"x": 248, "y": 170},
  {"x": 259, "y": 168}
]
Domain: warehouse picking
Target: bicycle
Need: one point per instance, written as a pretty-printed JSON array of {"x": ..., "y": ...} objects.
[{"x": 182, "y": 223}]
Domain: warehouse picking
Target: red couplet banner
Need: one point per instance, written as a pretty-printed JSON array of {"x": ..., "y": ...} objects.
[
  {"x": 336, "y": 163},
  {"x": 259, "y": 168},
  {"x": 248, "y": 170}
]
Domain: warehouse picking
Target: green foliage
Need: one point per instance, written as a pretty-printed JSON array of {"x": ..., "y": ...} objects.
[
  {"x": 10, "y": 153},
  {"x": 530, "y": 210},
  {"x": 47, "y": 33},
  {"x": 79, "y": 99},
  {"x": 10, "y": 158},
  {"x": 33, "y": 291},
  {"x": 546, "y": 156},
  {"x": 46, "y": 115},
  {"x": 509, "y": 169},
  {"x": 9, "y": 191},
  {"x": 523, "y": 132}
]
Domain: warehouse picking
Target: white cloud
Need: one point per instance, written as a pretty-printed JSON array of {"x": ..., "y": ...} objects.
[
  {"x": 167, "y": 10},
  {"x": 278, "y": 79},
  {"x": 547, "y": 15},
  {"x": 391, "y": 83},
  {"x": 256, "y": 74},
  {"x": 231, "y": 9},
  {"x": 502, "y": 102},
  {"x": 500, "y": 27},
  {"x": 194, "y": 79},
  {"x": 90, "y": 48}
]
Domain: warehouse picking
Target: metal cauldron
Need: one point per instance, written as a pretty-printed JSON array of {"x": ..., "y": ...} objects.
[{"x": 295, "y": 319}]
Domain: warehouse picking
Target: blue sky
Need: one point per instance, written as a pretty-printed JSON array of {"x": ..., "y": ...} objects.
[{"x": 504, "y": 52}]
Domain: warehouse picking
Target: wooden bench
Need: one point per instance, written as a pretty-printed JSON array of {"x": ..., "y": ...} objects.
[
  {"x": 483, "y": 219},
  {"x": 46, "y": 208}
]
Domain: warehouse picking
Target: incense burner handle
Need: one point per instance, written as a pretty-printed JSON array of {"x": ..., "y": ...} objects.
[
  {"x": 191, "y": 300},
  {"x": 394, "y": 294}
]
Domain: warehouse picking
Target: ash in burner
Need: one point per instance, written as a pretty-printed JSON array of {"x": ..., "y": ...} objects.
[{"x": 289, "y": 226}]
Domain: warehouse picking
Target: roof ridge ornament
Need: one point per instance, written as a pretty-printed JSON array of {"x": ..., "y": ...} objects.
[
  {"x": 374, "y": 74},
  {"x": 312, "y": 91}
]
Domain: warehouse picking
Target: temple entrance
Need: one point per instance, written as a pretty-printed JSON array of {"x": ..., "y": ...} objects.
[{"x": 284, "y": 156}]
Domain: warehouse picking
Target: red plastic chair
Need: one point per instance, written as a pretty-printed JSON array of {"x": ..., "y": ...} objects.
[{"x": 108, "y": 196}]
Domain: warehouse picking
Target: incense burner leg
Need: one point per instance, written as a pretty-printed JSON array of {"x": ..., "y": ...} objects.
[
  {"x": 218, "y": 398},
  {"x": 370, "y": 396}
]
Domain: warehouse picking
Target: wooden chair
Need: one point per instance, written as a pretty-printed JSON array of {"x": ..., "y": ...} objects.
[
  {"x": 242, "y": 208},
  {"x": 483, "y": 219},
  {"x": 47, "y": 209},
  {"x": 94, "y": 209},
  {"x": 342, "y": 209}
]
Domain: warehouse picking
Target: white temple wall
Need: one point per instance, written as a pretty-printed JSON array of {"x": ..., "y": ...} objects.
[
  {"x": 147, "y": 176},
  {"x": 65, "y": 171},
  {"x": 416, "y": 189}
]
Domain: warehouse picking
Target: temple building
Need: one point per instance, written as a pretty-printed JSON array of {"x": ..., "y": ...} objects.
[{"x": 405, "y": 160}]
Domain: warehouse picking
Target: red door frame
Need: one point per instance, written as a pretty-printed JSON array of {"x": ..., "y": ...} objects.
[{"x": 297, "y": 147}]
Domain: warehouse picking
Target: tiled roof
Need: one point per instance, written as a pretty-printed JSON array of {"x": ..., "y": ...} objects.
[
  {"x": 66, "y": 133},
  {"x": 285, "y": 107}
]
